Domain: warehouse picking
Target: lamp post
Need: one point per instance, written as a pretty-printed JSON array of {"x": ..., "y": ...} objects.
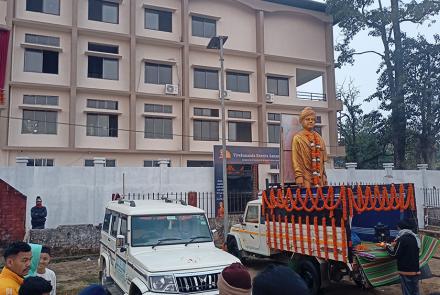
[{"x": 217, "y": 43}]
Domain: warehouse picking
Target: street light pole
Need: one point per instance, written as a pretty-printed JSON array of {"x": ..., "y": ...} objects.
[
  {"x": 225, "y": 172},
  {"x": 217, "y": 43}
]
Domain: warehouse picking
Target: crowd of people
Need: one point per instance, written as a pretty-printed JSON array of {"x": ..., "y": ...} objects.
[{"x": 26, "y": 272}]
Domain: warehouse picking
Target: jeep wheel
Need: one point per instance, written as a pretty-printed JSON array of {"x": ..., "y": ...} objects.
[
  {"x": 103, "y": 276},
  {"x": 233, "y": 249},
  {"x": 309, "y": 272}
]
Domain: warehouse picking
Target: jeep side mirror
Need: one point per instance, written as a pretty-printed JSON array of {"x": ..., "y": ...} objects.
[
  {"x": 213, "y": 231},
  {"x": 120, "y": 241},
  {"x": 241, "y": 220}
]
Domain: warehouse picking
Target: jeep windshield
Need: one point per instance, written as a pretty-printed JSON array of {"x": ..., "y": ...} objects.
[{"x": 155, "y": 230}]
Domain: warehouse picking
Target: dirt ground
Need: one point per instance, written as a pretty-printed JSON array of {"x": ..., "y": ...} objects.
[{"x": 73, "y": 275}]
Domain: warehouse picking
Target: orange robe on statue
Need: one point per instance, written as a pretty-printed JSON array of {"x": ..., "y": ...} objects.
[{"x": 302, "y": 149}]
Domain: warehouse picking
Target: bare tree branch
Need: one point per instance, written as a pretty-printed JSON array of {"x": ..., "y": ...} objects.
[{"x": 369, "y": 51}]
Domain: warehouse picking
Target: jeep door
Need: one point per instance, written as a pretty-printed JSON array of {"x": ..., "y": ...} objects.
[
  {"x": 121, "y": 255},
  {"x": 251, "y": 228},
  {"x": 114, "y": 227}
]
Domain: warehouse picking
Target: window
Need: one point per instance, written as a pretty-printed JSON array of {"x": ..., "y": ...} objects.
[
  {"x": 39, "y": 122},
  {"x": 239, "y": 114},
  {"x": 193, "y": 163},
  {"x": 158, "y": 108},
  {"x": 160, "y": 128},
  {"x": 44, "y": 6},
  {"x": 91, "y": 163},
  {"x": 203, "y": 27},
  {"x": 106, "y": 223},
  {"x": 40, "y": 99},
  {"x": 240, "y": 131},
  {"x": 158, "y": 73},
  {"x": 252, "y": 214},
  {"x": 114, "y": 49},
  {"x": 206, "y": 112},
  {"x": 318, "y": 129},
  {"x": 102, "y": 104},
  {"x": 154, "y": 163},
  {"x": 206, "y": 79},
  {"x": 274, "y": 117},
  {"x": 103, "y": 67},
  {"x": 40, "y": 61},
  {"x": 274, "y": 133},
  {"x": 278, "y": 85},
  {"x": 102, "y": 125},
  {"x": 40, "y": 162},
  {"x": 206, "y": 130},
  {"x": 104, "y": 11},
  {"x": 42, "y": 40},
  {"x": 318, "y": 119},
  {"x": 114, "y": 225},
  {"x": 124, "y": 228},
  {"x": 238, "y": 82},
  {"x": 159, "y": 20},
  {"x": 274, "y": 166}
]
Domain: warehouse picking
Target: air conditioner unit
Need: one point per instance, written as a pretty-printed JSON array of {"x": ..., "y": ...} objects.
[
  {"x": 269, "y": 97},
  {"x": 226, "y": 94},
  {"x": 171, "y": 89}
]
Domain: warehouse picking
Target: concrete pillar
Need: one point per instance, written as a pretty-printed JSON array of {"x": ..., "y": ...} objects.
[
  {"x": 99, "y": 162},
  {"x": 351, "y": 172},
  {"x": 388, "y": 169},
  {"x": 423, "y": 168},
  {"x": 21, "y": 161}
]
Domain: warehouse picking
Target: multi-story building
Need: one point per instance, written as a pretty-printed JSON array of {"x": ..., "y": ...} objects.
[{"x": 132, "y": 80}]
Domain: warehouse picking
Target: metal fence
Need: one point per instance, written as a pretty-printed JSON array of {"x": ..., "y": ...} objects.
[
  {"x": 203, "y": 200},
  {"x": 311, "y": 95},
  {"x": 431, "y": 197},
  {"x": 431, "y": 206}
]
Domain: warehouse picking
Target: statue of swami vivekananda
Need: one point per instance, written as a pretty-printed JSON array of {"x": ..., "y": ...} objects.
[{"x": 309, "y": 153}]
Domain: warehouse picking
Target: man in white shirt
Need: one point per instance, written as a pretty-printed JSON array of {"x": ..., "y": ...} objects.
[{"x": 46, "y": 273}]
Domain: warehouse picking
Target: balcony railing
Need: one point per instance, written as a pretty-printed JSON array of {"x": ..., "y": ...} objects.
[{"x": 311, "y": 95}]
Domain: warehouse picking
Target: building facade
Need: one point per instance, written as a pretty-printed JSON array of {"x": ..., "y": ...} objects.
[{"x": 132, "y": 81}]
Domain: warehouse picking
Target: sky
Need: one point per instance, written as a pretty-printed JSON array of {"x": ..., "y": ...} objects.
[{"x": 363, "y": 72}]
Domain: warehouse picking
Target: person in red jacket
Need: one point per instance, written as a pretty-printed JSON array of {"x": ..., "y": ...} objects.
[{"x": 406, "y": 249}]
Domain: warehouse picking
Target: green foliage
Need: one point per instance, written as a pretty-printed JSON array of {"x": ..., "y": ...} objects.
[
  {"x": 366, "y": 136},
  {"x": 403, "y": 87}
]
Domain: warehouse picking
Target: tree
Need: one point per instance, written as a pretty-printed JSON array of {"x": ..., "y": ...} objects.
[
  {"x": 366, "y": 136},
  {"x": 422, "y": 88},
  {"x": 354, "y": 16}
]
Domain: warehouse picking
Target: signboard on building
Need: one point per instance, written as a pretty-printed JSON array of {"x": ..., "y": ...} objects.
[{"x": 239, "y": 155}]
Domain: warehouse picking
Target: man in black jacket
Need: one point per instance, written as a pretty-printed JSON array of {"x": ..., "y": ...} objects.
[
  {"x": 38, "y": 214},
  {"x": 406, "y": 250}
]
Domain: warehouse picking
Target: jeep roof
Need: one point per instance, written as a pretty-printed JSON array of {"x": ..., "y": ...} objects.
[{"x": 152, "y": 207}]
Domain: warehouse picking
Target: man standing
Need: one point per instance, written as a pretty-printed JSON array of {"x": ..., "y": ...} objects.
[
  {"x": 309, "y": 153},
  {"x": 17, "y": 263},
  {"x": 38, "y": 214},
  {"x": 406, "y": 250}
]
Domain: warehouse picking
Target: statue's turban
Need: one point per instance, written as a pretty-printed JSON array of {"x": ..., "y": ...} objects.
[{"x": 308, "y": 111}]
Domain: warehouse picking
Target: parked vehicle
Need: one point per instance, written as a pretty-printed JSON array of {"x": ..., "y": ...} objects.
[
  {"x": 159, "y": 247},
  {"x": 311, "y": 229}
]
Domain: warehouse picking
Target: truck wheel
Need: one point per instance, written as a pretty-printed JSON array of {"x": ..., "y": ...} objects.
[{"x": 309, "y": 272}]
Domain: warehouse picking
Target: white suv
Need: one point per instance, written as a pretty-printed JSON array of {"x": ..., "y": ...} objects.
[{"x": 159, "y": 247}]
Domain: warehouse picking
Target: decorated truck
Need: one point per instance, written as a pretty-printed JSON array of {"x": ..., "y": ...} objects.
[
  {"x": 325, "y": 232},
  {"x": 314, "y": 229}
]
